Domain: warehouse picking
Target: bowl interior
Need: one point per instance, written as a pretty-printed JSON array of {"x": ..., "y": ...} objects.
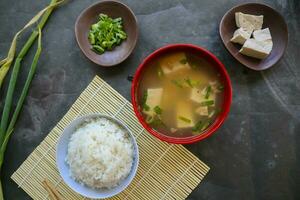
[
  {"x": 113, "y": 9},
  {"x": 63, "y": 168},
  {"x": 272, "y": 19},
  {"x": 202, "y": 53}
]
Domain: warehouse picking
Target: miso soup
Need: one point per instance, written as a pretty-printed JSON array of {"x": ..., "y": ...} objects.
[{"x": 180, "y": 94}]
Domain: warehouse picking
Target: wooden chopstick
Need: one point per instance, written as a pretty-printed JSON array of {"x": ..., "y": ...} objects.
[{"x": 53, "y": 193}]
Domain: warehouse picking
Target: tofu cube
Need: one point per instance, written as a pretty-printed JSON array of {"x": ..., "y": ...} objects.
[
  {"x": 154, "y": 98},
  {"x": 240, "y": 36},
  {"x": 184, "y": 109},
  {"x": 249, "y": 22},
  {"x": 202, "y": 110},
  {"x": 262, "y": 35},
  {"x": 173, "y": 63},
  {"x": 257, "y": 49},
  {"x": 198, "y": 95}
]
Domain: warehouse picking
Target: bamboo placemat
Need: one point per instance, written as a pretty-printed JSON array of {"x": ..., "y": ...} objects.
[{"x": 165, "y": 171}]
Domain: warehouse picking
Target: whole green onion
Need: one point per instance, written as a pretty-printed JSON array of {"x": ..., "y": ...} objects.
[{"x": 5, "y": 132}]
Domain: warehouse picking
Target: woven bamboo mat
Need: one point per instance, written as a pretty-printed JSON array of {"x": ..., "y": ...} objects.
[{"x": 165, "y": 171}]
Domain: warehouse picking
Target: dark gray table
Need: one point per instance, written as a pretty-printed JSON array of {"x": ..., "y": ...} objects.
[{"x": 256, "y": 153}]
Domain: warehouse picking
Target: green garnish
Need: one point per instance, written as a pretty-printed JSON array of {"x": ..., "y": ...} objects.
[
  {"x": 106, "y": 34},
  {"x": 184, "y": 119},
  {"x": 183, "y": 61},
  {"x": 207, "y": 103},
  {"x": 189, "y": 82},
  {"x": 207, "y": 92},
  {"x": 220, "y": 87},
  {"x": 98, "y": 49},
  {"x": 160, "y": 72},
  {"x": 205, "y": 125},
  {"x": 197, "y": 127},
  {"x": 157, "y": 110},
  {"x": 200, "y": 126},
  {"x": 192, "y": 83},
  {"x": 144, "y": 100},
  {"x": 146, "y": 107},
  {"x": 177, "y": 83}
]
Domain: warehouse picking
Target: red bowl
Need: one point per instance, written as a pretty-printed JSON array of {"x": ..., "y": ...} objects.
[{"x": 203, "y": 53}]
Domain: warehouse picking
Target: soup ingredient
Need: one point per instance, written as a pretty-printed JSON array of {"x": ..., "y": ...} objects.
[
  {"x": 174, "y": 63},
  {"x": 100, "y": 154},
  {"x": 257, "y": 49},
  {"x": 262, "y": 35},
  {"x": 5, "y": 132},
  {"x": 184, "y": 115},
  {"x": 106, "y": 34},
  {"x": 249, "y": 22},
  {"x": 152, "y": 99},
  {"x": 199, "y": 96},
  {"x": 202, "y": 110},
  {"x": 240, "y": 36}
]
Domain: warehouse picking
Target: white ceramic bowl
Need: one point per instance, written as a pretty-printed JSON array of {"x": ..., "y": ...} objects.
[{"x": 63, "y": 168}]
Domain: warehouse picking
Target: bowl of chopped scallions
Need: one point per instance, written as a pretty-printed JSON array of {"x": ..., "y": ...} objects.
[{"x": 107, "y": 32}]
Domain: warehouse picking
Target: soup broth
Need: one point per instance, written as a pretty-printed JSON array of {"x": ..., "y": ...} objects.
[{"x": 180, "y": 94}]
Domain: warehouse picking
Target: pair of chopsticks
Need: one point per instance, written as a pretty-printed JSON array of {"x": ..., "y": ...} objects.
[{"x": 53, "y": 193}]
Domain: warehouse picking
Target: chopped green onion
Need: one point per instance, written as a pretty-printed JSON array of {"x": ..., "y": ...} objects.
[
  {"x": 144, "y": 100},
  {"x": 189, "y": 82},
  {"x": 157, "y": 110},
  {"x": 220, "y": 87},
  {"x": 207, "y": 103},
  {"x": 106, "y": 33},
  {"x": 98, "y": 49},
  {"x": 184, "y": 119},
  {"x": 205, "y": 125},
  {"x": 177, "y": 83},
  {"x": 207, "y": 92},
  {"x": 146, "y": 107},
  {"x": 183, "y": 61},
  {"x": 197, "y": 126}
]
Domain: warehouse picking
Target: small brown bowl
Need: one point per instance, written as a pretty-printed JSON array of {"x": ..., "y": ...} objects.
[
  {"x": 113, "y": 9},
  {"x": 272, "y": 19}
]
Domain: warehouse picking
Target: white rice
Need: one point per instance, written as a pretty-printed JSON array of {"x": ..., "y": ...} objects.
[{"x": 100, "y": 154}]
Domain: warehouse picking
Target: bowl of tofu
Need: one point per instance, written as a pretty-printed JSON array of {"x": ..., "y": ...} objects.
[
  {"x": 254, "y": 34},
  {"x": 181, "y": 93}
]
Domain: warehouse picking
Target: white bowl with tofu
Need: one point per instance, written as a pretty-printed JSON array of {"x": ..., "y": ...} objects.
[
  {"x": 255, "y": 34},
  {"x": 181, "y": 93}
]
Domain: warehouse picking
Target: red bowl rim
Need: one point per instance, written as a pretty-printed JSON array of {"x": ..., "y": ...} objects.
[{"x": 217, "y": 123}]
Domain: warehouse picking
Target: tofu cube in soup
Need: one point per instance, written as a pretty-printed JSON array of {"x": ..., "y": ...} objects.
[
  {"x": 199, "y": 95},
  {"x": 173, "y": 63},
  {"x": 184, "y": 115},
  {"x": 154, "y": 96},
  {"x": 202, "y": 110}
]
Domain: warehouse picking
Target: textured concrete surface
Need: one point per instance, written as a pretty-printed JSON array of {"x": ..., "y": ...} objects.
[{"x": 256, "y": 153}]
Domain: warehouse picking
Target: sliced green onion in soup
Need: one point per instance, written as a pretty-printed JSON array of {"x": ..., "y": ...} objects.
[
  {"x": 207, "y": 103},
  {"x": 184, "y": 119},
  {"x": 207, "y": 92},
  {"x": 157, "y": 110},
  {"x": 183, "y": 61}
]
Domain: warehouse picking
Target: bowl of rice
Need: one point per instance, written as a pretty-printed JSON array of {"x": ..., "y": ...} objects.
[{"x": 97, "y": 156}]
